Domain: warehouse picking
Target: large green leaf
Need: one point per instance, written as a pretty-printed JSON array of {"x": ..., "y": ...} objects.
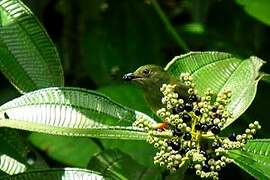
[
  {"x": 118, "y": 165},
  {"x": 15, "y": 146},
  {"x": 72, "y": 112},
  {"x": 73, "y": 151},
  {"x": 16, "y": 154},
  {"x": 254, "y": 158},
  {"x": 218, "y": 71},
  {"x": 57, "y": 174},
  {"x": 257, "y": 8},
  {"x": 28, "y": 57}
]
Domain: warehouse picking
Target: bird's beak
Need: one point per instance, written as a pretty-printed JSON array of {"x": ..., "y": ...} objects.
[{"x": 130, "y": 77}]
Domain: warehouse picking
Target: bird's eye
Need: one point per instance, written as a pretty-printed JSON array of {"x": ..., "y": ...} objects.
[{"x": 146, "y": 71}]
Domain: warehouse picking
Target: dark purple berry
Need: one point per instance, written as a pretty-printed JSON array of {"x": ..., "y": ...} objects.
[
  {"x": 187, "y": 136},
  {"x": 232, "y": 137},
  {"x": 186, "y": 118},
  {"x": 198, "y": 112},
  {"x": 198, "y": 127},
  {"x": 184, "y": 150},
  {"x": 188, "y": 107},
  {"x": 176, "y": 146},
  {"x": 193, "y": 98},
  {"x": 205, "y": 127},
  {"x": 205, "y": 168},
  {"x": 170, "y": 143},
  {"x": 177, "y": 132},
  {"x": 214, "y": 109},
  {"x": 215, "y": 145},
  {"x": 178, "y": 109},
  {"x": 215, "y": 129}
]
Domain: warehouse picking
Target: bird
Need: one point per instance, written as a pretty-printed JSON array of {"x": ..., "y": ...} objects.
[{"x": 150, "y": 78}]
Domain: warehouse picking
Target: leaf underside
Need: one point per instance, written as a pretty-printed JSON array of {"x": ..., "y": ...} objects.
[
  {"x": 57, "y": 174},
  {"x": 72, "y": 112}
]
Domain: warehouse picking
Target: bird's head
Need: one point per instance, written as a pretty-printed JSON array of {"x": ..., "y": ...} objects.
[{"x": 148, "y": 75}]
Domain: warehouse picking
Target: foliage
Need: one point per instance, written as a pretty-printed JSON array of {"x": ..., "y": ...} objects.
[{"x": 80, "y": 128}]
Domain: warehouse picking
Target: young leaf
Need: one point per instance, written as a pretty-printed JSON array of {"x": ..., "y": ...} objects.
[
  {"x": 220, "y": 71},
  {"x": 254, "y": 158},
  {"x": 118, "y": 165},
  {"x": 57, "y": 174},
  {"x": 28, "y": 57},
  {"x": 72, "y": 112}
]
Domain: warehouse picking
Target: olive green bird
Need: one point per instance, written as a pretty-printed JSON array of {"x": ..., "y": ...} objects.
[{"x": 150, "y": 78}]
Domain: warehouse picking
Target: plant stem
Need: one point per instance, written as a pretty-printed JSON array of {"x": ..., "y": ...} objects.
[{"x": 169, "y": 26}]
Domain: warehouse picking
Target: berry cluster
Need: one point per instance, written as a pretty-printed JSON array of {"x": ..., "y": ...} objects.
[{"x": 190, "y": 128}]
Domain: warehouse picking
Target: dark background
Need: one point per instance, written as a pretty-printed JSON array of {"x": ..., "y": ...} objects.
[{"x": 99, "y": 41}]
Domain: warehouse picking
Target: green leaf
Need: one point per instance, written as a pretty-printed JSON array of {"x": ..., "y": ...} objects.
[
  {"x": 72, "y": 112},
  {"x": 254, "y": 158},
  {"x": 120, "y": 93},
  {"x": 57, "y": 174},
  {"x": 134, "y": 149},
  {"x": 10, "y": 165},
  {"x": 127, "y": 95},
  {"x": 219, "y": 71},
  {"x": 258, "y": 9},
  {"x": 16, "y": 154},
  {"x": 28, "y": 57},
  {"x": 73, "y": 151},
  {"x": 118, "y": 165}
]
